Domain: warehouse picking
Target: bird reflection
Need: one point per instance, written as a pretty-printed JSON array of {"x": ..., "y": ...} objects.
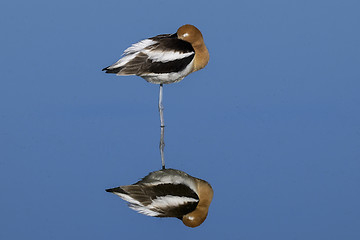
[{"x": 169, "y": 193}]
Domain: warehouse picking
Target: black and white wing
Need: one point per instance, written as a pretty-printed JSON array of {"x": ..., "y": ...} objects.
[
  {"x": 160, "y": 200},
  {"x": 161, "y": 54}
]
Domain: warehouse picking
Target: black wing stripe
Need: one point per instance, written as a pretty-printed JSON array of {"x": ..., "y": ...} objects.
[
  {"x": 180, "y": 190},
  {"x": 168, "y": 67},
  {"x": 179, "y": 211},
  {"x": 170, "y": 43}
]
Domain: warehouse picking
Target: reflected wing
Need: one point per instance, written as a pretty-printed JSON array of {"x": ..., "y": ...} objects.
[{"x": 159, "y": 200}]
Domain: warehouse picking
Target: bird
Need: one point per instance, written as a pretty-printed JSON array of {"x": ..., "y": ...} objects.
[
  {"x": 169, "y": 193},
  {"x": 164, "y": 59}
]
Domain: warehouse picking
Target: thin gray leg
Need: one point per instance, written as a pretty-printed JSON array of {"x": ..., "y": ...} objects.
[{"x": 162, "y": 127}]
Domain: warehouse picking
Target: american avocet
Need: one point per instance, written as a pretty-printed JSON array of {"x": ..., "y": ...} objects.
[
  {"x": 163, "y": 59},
  {"x": 169, "y": 193}
]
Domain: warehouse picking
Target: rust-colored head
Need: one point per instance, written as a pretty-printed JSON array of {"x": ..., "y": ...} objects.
[
  {"x": 193, "y": 35},
  {"x": 195, "y": 218},
  {"x": 190, "y": 34}
]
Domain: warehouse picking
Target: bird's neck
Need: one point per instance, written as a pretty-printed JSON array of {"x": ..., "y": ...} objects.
[{"x": 201, "y": 56}]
